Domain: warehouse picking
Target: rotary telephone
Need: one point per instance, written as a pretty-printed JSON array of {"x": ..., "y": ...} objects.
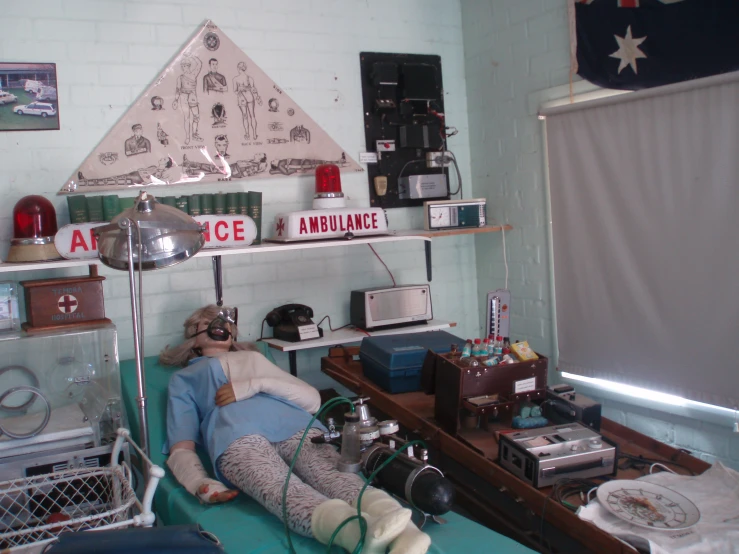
[{"x": 293, "y": 323}]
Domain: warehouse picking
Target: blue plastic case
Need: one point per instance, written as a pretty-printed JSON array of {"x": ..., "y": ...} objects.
[{"x": 394, "y": 362}]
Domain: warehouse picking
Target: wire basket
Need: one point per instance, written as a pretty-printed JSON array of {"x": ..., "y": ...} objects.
[{"x": 36, "y": 510}]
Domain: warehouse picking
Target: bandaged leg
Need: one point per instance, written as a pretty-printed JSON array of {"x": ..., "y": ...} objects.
[
  {"x": 253, "y": 465},
  {"x": 380, "y": 530},
  {"x": 189, "y": 471},
  {"x": 412, "y": 540}
]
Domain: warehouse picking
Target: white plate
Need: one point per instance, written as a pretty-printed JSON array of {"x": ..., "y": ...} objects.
[{"x": 648, "y": 505}]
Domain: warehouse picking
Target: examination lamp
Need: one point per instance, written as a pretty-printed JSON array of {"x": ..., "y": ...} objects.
[{"x": 147, "y": 236}]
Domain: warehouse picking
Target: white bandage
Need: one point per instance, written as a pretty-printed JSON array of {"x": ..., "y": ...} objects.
[
  {"x": 251, "y": 373},
  {"x": 190, "y": 473}
]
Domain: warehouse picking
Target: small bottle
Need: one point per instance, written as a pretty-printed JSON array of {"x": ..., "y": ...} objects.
[
  {"x": 469, "y": 362},
  {"x": 477, "y": 349},
  {"x": 506, "y": 347},
  {"x": 491, "y": 345},
  {"x": 484, "y": 347},
  {"x": 467, "y": 349},
  {"x": 350, "y": 460},
  {"x": 493, "y": 360},
  {"x": 498, "y": 347},
  {"x": 454, "y": 350}
]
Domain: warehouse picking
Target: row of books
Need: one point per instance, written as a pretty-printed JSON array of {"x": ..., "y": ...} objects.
[{"x": 90, "y": 209}]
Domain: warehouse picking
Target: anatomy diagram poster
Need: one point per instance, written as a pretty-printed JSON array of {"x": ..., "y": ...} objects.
[{"x": 212, "y": 115}]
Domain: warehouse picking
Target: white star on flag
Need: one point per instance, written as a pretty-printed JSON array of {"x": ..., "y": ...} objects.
[{"x": 628, "y": 50}]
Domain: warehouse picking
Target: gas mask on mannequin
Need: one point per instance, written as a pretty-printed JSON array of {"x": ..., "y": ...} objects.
[{"x": 219, "y": 327}]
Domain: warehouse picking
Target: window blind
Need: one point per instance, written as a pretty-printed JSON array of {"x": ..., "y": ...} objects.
[{"x": 645, "y": 229}]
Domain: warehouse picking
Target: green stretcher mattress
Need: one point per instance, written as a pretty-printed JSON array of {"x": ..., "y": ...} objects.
[{"x": 242, "y": 525}]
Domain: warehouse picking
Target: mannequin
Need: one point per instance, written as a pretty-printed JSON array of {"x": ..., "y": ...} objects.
[{"x": 249, "y": 415}]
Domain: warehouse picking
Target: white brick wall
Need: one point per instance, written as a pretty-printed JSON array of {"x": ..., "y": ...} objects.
[
  {"x": 514, "y": 48},
  {"x": 108, "y": 51}
]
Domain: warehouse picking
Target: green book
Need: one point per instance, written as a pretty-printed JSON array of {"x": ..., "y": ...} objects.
[
  {"x": 183, "y": 203},
  {"x": 219, "y": 203},
  {"x": 78, "y": 209},
  {"x": 194, "y": 208},
  {"x": 111, "y": 206},
  {"x": 206, "y": 204},
  {"x": 232, "y": 203},
  {"x": 127, "y": 202},
  {"x": 168, "y": 201},
  {"x": 243, "y": 203},
  {"x": 95, "y": 208},
  {"x": 255, "y": 212}
]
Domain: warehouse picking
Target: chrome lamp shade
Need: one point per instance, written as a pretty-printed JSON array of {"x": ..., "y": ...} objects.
[
  {"x": 147, "y": 236},
  {"x": 167, "y": 236}
]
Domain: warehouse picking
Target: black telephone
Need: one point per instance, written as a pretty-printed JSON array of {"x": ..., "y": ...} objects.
[{"x": 293, "y": 323}]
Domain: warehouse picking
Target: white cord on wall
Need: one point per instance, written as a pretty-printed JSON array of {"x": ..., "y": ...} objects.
[{"x": 505, "y": 257}]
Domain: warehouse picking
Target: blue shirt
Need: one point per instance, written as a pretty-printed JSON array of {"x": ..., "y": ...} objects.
[{"x": 192, "y": 414}]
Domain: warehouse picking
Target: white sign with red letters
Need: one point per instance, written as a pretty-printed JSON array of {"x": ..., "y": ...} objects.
[
  {"x": 329, "y": 224},
  {"x": 77, "y": 241}
]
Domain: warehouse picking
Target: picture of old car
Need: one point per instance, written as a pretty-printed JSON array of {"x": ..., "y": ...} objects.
[{"x": 36, "y": 108}]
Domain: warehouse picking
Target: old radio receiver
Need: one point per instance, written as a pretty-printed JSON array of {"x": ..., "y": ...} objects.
[{"x": 384, "y": 307}]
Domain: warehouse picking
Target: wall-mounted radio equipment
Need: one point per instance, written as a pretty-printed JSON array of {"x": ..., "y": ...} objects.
[{"x": 390, "y": 306}]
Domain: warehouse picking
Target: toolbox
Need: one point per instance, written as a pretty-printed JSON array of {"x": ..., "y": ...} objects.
[{"x": 394, "y": 362}]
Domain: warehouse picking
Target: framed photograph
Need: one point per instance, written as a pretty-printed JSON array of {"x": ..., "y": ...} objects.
[{"x": 28, "y": 97}]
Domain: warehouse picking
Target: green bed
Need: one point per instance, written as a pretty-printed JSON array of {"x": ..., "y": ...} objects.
[{"x": 243, "y": 525}]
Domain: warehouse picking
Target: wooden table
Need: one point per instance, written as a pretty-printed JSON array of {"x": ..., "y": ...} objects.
[{"x": 491, "y": 494}]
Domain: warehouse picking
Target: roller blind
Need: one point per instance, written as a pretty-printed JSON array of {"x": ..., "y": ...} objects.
[{"x": 645, "y": 219}]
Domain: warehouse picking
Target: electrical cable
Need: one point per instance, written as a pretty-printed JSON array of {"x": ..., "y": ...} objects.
[
  {"x": 459, "y": 177},
  {"x": 640, "y": 462},
  {"x": 329, "y": 324},
  {"x": 383, "y": 263},
  {"x": 261, "y": 334},
  {"x": 406, "y": 165},
  {"x": 505, "y": 257}
]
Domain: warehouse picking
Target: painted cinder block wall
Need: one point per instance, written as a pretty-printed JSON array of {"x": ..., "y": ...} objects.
[
  {"x": 514, "y": 49},
  {"x": 108, "y": 51}
]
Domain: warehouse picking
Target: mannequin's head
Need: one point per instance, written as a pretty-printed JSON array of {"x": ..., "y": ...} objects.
[{"x": 199, "y": 342}]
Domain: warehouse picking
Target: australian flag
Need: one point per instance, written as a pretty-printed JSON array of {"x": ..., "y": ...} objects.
[{"x": 635, "y": 44}]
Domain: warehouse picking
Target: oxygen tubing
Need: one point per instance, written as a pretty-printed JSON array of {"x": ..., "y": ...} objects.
[{"x": 362, "y": 521}]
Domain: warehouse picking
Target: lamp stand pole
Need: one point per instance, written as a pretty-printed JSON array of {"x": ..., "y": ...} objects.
[{"x": 127, "y": 224}]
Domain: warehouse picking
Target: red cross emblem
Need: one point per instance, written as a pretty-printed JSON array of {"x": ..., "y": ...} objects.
[
  {"x": 280, "y": 227},
  {"x": 67, "y": 304}
]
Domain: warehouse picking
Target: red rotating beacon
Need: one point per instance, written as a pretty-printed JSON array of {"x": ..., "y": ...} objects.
[
  {"x": 328, "y": 188},
  {"x": 34, "y": 227}
]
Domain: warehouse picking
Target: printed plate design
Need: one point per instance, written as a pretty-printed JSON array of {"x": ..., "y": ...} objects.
[{"x": 648, "y": 505}]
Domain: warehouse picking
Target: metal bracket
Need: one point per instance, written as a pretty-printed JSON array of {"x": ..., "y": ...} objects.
[{"x": 218, "y": 279}]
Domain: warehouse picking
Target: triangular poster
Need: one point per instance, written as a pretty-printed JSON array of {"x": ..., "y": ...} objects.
[{"x": 212, "y": 115}]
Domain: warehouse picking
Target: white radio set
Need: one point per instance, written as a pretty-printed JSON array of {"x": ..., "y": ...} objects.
[{"x": 390, "y": 306}]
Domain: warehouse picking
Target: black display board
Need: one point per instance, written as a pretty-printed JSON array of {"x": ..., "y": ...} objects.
[{"x": 403, "y": 100}]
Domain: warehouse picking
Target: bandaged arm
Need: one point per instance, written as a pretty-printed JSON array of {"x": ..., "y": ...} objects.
[{"x": 251, "y": 373}]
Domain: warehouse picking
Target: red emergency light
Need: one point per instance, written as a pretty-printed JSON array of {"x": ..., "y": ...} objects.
[
  {"x": 34, "y": 227},
  {"x": 328, "y": 188}
]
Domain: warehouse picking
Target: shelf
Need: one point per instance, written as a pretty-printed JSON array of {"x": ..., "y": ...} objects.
[
  {"x": 56, "y": 264},
  {"x": 267, "y": 246},
  {"x": 465, "y": 231},
  {"x": 349, "y": 336}
]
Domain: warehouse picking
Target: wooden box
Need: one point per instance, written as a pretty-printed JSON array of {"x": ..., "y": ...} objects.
[
  {"x": 63, "y": 302},
  {"x": 511, "y": 383}
]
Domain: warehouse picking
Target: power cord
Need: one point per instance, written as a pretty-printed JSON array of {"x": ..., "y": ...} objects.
[
  {"x": 329, "y": 324},
  {"x": 362, "y": 521},
  {"x": 383, "y": 263}
]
